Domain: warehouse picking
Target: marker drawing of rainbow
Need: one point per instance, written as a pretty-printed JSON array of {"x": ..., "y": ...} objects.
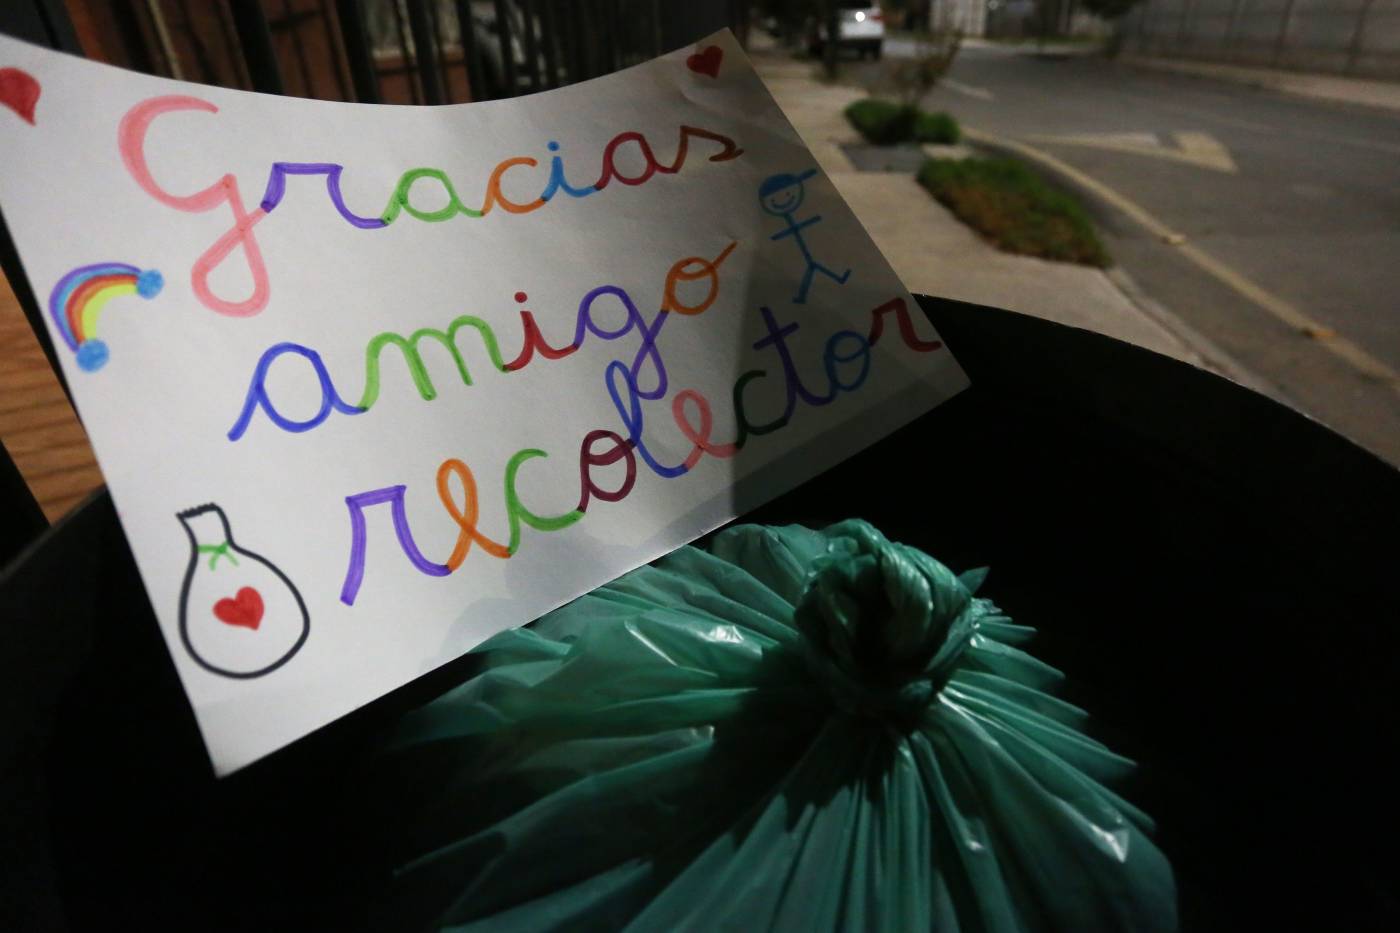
[{"x": 79, "y": 297}]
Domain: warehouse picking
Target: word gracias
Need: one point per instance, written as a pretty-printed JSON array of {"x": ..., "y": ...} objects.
[{"x": 136, "y": 125}]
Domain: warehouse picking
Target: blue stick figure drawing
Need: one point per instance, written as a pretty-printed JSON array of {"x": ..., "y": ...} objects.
[{"x": 781, "y": 196}]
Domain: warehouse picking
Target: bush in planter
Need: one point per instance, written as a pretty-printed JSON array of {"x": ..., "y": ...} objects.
[
  {"x": 885, "y": 123},
  {"x": 1015, "y": 209},
  {"x": 936, "y": 128}
]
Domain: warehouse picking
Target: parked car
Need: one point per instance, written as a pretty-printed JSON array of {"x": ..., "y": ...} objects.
[{"x": 859, "y": 25}]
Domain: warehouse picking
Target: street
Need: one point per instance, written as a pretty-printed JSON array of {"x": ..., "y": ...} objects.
[{"x": 1286, "y": 212}]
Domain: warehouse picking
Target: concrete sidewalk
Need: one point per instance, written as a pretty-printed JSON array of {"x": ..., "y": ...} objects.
[
  {"x": 1335, "y": 89},
  {"x": 934, "y": 253}
]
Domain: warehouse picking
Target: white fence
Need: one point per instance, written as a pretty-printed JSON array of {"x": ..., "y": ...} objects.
[{"x": 1355, "y": 37}]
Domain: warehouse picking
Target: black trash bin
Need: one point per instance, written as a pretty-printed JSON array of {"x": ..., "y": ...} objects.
[{"x": 1212, "y": 571}]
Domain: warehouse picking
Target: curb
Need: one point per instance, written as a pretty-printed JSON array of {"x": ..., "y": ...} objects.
[
  {"x": 1213, "y": 356},
  {"x": 1285, "y": 83}
]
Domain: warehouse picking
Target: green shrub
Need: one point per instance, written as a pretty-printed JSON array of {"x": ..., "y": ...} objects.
[
  {"x": 885, "y": 123},
  {"x": 936, "y": 128},
  {"x": 1015, "y": 209},
  {"x": 881, "y": 122}
]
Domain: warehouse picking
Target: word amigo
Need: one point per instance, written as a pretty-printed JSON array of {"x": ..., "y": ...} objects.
[{"x": 257, "y": 398}]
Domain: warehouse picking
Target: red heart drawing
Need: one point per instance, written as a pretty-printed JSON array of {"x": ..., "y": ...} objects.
[
  {"x": 245, "y": 609},
  {"x": 706, "y": 61},
  {"x": 20, "y": 92}
]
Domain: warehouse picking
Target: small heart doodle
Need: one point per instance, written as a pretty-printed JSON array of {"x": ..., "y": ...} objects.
[
  {"x": 706, "y": 61},
  {"x": 20, "y": 92},
  {"x": 244, "y": 610}
]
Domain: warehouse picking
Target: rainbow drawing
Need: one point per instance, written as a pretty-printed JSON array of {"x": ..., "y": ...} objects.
[{"x": 79, "y": 297}]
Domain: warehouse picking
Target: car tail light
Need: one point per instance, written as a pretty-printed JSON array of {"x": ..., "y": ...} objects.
[{"x": 875, "y": 16}]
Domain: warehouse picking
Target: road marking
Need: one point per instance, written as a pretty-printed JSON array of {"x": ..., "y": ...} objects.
[
  {"x": 1279, "y": 308},
  {"x": 1315, "y": 192},
  {"x": 980, "y": 93},
  {"x": 1371, "y": 144},
  {"x": 1199, "y": 149},
  {"x": 1200, "y": 113}
]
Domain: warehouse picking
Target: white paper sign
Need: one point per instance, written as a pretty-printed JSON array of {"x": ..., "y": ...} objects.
[{"x": 370, "y": 384}]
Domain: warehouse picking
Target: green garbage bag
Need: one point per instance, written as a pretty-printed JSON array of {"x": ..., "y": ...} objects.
[{"x": 792, "y": 730}]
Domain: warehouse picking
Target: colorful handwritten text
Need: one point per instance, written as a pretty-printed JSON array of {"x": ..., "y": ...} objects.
[{"x": 224, "y": 193}]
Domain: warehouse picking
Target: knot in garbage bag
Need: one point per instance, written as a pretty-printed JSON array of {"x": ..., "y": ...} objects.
[
  {"x": 884, "y": 624},
  {"x": 788, "y": 729}
]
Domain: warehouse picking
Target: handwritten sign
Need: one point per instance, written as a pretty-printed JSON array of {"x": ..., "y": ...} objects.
[{"x": 370, "y": 384}]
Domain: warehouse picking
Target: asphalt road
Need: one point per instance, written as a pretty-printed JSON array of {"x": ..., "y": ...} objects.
[{"x": 1299, "y": 198}]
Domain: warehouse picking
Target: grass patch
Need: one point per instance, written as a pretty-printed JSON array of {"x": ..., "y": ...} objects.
[
  {"x": 1015, "y": 209},
  {"x": 885, "y": 123}
]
